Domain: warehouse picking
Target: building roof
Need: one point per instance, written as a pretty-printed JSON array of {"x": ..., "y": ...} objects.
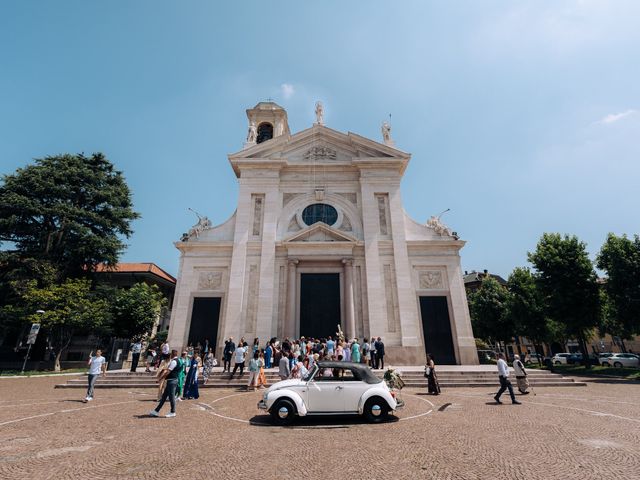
[
  {"x": 136, "y": 268},
  {"x": 473, "y": 276}
]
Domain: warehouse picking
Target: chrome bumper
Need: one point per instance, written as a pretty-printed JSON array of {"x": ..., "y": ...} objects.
[{"x": 262, "y": 405}]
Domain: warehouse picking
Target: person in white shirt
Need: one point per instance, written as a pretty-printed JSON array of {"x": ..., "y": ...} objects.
[
  {"x": 97, "y": 365},
  {"x": 503, "y": 373},
  {"x": 239, "y": 355}
]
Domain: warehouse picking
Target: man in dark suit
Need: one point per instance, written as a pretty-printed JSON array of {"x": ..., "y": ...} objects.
[
  {"x": 379, "y": 344},
  {"x": 229, "y": 348}
]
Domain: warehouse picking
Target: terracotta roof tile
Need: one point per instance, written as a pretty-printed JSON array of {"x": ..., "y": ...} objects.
[{"x": 136, "y": 268}]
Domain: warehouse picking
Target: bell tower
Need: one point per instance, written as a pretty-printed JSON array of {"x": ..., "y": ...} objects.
[{"x": 267, "y": 120}]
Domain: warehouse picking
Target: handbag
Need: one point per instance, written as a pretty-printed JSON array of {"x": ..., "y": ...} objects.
[
  {"x": 214, "y": 362},
  {"x": 427, "y": 371}
]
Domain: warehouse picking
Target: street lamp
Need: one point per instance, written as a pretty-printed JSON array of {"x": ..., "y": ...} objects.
[{"x": 31, "y": 339}]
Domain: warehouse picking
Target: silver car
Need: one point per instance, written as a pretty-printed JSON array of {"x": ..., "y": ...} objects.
[{"x": 619, "y": 360}]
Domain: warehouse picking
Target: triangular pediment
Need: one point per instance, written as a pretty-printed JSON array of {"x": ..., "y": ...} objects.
[
  {"x": 320, "y": 232},
  {"x": 319, "y": 144}
]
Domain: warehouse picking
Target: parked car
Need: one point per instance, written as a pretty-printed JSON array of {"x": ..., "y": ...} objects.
[
  {"x": 486, "y": 356},
  {"x": 576, "y": 359},
  {"x": 621, "y": 360},
  {"x": 534, "y": 358},
  {"x": 561, "y": 358},
  {"x": 351, "y": 388}
]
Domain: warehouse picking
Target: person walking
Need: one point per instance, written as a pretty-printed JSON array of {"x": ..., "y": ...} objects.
[
  {"x": 97, "y": 365},
  {"x": 503, "y": 373},
  {"x": 268, "y": 355},
  {"x": 136, "y": 348},
  {"x": 238, "y": 358},
  {"x": 182, "y": 373},
  {"x": 372, "y": 353},
  {"x": 521, "y": 375},
  {"x": 254, "y": 370},
  {"x": 151, "y": 359},
  {"x": 379, "y": 353},
  {"x": 170, "y": 376},
  {"x": 229, "y": 348},
  {"x": 283, "y": 367},
  {"x": 191, "y": 382},
  {"x": 165, "y": 350},
  {"x": 208, "y": 364},
  {"x": 161, "y": 377},
  {"x": 262, "y": 378},
  {"x": 355, "y": 351},
  {"x": 433, "y": 387}
]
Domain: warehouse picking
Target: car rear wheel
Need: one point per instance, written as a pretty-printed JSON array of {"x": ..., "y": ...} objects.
[
  {"x": 283, "y": 412},
  {"x": 617, "y": 364},
  {"x": 376, "y": 410}
]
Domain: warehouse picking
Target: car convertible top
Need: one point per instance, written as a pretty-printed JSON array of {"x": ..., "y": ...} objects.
[{"x": 360, "y": 371}]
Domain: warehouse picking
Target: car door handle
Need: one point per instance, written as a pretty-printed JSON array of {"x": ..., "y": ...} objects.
[{"x": 338, "y": 388}]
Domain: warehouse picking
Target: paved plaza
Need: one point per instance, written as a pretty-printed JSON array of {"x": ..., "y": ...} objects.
[{"x": 581, "y": 432}]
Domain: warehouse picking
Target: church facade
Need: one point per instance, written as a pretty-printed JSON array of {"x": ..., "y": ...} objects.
[{"x": 320, "y": 239}]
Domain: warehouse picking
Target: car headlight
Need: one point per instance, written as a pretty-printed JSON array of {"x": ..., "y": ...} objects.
[{"x": 264, "y": 396}]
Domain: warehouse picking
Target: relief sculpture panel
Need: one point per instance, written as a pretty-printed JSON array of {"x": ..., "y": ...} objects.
[
  {"x": 431, "y": 280},
  {"x": 211, "y": 280}
]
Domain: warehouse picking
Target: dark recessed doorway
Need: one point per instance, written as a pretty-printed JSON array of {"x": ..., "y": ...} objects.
[
  {"x": 204, "y": 321},
  {"x": 319, "y": 304},
  {"x": 436, "y": 327}
]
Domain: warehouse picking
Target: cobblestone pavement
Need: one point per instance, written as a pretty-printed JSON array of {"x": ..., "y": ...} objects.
[{"x": 566, "y": 433}]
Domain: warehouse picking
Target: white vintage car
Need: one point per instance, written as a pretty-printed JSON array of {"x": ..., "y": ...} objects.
[{"x": 331, "y": 388}]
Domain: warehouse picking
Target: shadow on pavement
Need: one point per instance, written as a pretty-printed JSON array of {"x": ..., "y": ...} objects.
[{"x": 319, "y": 422}]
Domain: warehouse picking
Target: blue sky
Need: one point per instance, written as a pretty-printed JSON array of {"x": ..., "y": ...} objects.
[{"x": 522, "y": 117}]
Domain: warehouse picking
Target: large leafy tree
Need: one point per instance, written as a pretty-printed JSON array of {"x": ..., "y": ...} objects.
[
  {"x": 69, "y": 308},
  {"x": 619, "y": 257},
  {"x": 487, "y": 306},
  {"x": 525, "y": 307},
  {"x": 136, "y": 310},
  {"x": 567, "y": 280},
  {"x": 70, "y": 210}
]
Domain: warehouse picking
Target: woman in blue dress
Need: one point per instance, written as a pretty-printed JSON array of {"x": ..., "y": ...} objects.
[
  {"x": 191, "y": 383},
  {"x": 268, "y": 352}
]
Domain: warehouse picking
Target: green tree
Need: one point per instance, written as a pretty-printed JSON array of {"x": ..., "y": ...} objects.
[
  {"x": 136, "y": 310},
  {"x": 69, "y": 210},
  {"x": 69, "y": 308},
  {"x": 619, "y": 257},
  {"x": 567, "y": 281},
  {"x": 487, "y": 306},
  {"x": 525, "y": 307}
]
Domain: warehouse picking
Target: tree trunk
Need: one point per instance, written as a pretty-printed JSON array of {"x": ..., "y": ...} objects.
[
  {"x": 56, "y": 368},
  {"x": 585, "y": 354}
]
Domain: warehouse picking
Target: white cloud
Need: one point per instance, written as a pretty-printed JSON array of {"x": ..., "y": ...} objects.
[
  {"x": 287, "y": 90},
  {"x": 614, "y": 117}
]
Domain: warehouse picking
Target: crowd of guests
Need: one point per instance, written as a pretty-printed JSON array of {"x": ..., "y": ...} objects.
[{"x": 295, "y": 357}]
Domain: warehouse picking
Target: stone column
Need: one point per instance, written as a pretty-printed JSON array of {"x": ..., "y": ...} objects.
[
  {"x": 290, "y": 320},
  {"x": 349, "y": 309}
]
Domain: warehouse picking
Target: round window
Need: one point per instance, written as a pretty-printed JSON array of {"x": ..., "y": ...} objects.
[{"x": 319, "y": 212}]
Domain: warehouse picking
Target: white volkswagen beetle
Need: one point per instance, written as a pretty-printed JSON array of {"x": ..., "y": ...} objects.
[{"x": 331, "y": 388}]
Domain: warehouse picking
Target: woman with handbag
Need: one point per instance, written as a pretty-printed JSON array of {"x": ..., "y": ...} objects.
[{"x": 432, "y": 379}]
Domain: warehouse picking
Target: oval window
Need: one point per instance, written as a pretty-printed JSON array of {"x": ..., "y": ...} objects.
[{"x": 319, "y": 212}]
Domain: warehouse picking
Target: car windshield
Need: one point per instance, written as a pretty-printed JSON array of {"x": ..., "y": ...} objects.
[{"x": 310, "y": 373}]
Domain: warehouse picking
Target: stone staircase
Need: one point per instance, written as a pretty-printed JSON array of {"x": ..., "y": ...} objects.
[{"x": 413, "y": 378}]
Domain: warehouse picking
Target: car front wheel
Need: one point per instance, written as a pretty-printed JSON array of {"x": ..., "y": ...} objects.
[
  {"x": 558, "y": 362},
  {"x": 376, "y": 410},
  {"x": 617, "y": 365},
  {"x": 283, "y": 412}
]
